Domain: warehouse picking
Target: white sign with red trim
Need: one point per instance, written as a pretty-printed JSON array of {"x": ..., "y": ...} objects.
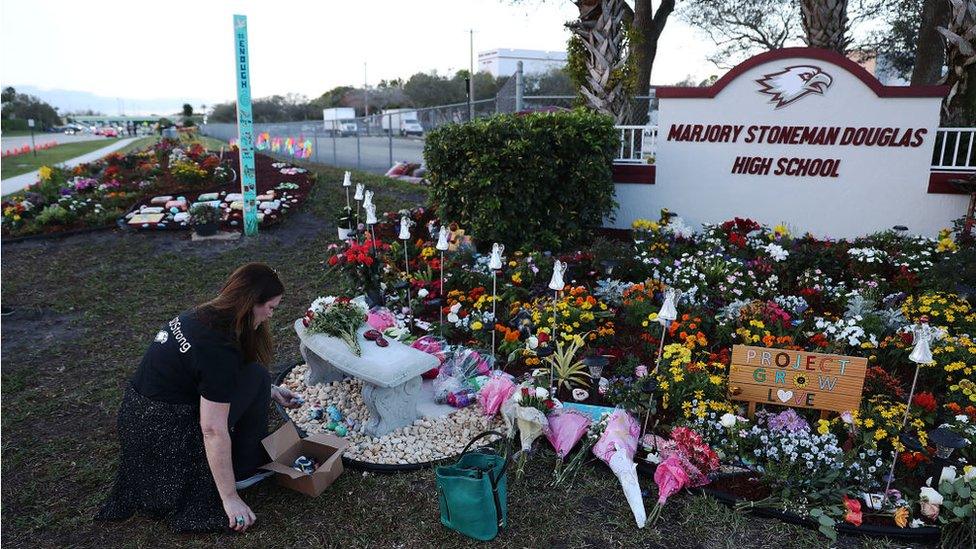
[{"x": 803, "y": 136}]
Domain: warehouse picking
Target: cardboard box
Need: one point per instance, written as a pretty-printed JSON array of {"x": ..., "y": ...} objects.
[{"x": 285, "y": 445}]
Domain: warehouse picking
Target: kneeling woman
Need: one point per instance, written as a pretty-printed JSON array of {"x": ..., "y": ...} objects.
[{"x": 194, "y": 414}]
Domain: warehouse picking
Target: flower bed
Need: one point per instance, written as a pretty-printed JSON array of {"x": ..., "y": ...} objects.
[
  {"x": 281, "y": 187},
  {"x": 99, "y": 193},
  {"x": 612, "y": 336}
]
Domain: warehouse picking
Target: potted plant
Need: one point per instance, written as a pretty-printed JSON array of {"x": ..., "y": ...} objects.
[{"x": 204, "y": 219}]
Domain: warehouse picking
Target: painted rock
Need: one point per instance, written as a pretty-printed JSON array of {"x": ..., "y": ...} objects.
[
  {"x": 208, "y": 196},
  {"x": 181, "y": 217},
  {"x": 341, "y": 430},
  {"x": 334, "y": 413},
  {"x": 160, "y": 200},
  {"x": 304, "y": 464},
  {"x": 233, "y": 197},
  {"x": 315, "y": 413}
]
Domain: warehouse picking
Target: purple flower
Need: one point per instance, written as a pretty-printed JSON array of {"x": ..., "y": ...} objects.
[{"x": 788, "y": 420}]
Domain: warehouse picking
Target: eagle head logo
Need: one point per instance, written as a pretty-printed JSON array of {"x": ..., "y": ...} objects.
[{"x": 792, "y": 83}]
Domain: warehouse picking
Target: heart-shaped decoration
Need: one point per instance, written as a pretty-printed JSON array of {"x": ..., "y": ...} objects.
[{"x": 784, "y": 396}]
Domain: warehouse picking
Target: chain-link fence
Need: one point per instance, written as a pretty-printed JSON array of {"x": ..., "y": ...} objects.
[{"x": 374, "y": 143}]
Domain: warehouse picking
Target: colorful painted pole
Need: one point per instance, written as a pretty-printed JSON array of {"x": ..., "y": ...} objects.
[{"x": 245, "y": 126}]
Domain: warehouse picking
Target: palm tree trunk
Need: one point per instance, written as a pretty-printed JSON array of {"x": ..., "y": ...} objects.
[
  {"x": 826, "y": 25},
  {"x": 930, "y": 47}
]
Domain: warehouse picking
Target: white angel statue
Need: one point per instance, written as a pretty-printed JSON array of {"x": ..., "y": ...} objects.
[
  {"x": 405, "y": 224},
  {"x": 347, "y": 180},
  {"x": 669, "y": 312},
  {"x": 370, "y": 213},
  {"x": 360, "y": 189},
  {"x": 444, "y": 239},
  {"x": 557, "y": 276},
  {"x": 922, "y": 335},
  {"x": 495, "y": 262}
]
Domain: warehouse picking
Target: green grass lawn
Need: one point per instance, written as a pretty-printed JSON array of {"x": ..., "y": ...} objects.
[
  {"x": 78, "y": 314},
  {"x": 24, "y": 163}
]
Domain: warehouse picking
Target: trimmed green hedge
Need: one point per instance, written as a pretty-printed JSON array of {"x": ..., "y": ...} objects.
[{"x": 542, "y": 180}]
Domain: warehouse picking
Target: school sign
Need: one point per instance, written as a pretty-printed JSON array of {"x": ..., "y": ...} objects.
[{"x": 799, "y": 135}]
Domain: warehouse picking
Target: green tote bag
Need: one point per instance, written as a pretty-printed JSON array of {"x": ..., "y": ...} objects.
[{"x": 472, "y": 492}]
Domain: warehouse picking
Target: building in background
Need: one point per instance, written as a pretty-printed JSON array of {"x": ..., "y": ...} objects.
[{"x": 502, "y": 61}]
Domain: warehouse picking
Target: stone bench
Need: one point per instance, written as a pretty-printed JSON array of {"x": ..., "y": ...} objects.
[{"x": 390, "y": 375}]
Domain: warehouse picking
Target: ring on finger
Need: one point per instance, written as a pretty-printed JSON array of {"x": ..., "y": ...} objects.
[{"x": 240, "y": 520}]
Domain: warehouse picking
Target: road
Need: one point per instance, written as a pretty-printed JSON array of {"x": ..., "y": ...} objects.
[
  {"x": 372, "y": 153},
  {"x": 17, "y": 141}
]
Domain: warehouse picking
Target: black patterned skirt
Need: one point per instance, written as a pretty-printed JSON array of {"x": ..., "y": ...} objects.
[{"x": 163, "y": 471}]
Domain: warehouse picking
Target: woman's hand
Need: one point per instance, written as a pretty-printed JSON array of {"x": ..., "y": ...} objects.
[
  {"x": 239, "y": 515},
  {"x": 285, "y": 397}
]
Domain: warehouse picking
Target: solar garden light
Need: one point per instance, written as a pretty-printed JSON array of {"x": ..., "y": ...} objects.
[
  {"x": 900, "y": 230},
  {"x": 609, "y": 265}
]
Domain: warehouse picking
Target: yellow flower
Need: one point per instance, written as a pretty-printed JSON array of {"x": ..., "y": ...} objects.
[
  {"x": 823, "y": 426},
  {"x": 44, "y": 173},
  {"x": 880, "y": 434},
  {"x": 477, "y": 325},
  {"x": 868, "y": 423},
  {"x": 901, "y": 517}
]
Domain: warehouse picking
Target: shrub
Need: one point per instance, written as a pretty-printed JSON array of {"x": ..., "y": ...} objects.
[{"x": 540, "y": 180}]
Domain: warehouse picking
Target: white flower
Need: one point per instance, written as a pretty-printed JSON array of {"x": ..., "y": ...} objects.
[
  {"x": 969, "y": 473},
  {"x": 930, "y": 495},
  {"x": 727, "y": 420},
  {"x": 948, "y": 475},
  {"x": 916, "y": 523},
  {"x": 532, "y": 342},
  {"x": 776, "y": 252},
  {"x": 423, "y": 293},
  {"x": 541, "y": 393},
  {"x": 962, "y": 418}
]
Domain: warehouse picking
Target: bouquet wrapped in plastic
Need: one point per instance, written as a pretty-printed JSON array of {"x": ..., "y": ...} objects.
[
  {"x": 457, "y": 381},
  {"x": 432, "y": 345},
  {"x": 616, "y": 447},
  {"x": 526, "y": 409},
  {"x": 495, "y": 391},
  {"x": 566, "y": 428}
]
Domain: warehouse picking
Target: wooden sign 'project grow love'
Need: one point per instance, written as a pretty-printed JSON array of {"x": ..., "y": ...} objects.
[{"x": 798, "y": 379}]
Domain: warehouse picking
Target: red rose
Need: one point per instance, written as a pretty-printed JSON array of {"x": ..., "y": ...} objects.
[
  {"x": 550, "y": 404},
  {"x": 333, "y": 260},
  {"x": 925, "y": 401},
  {"x": 853, "y": 511}
]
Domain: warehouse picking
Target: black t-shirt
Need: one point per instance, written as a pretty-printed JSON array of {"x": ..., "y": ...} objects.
[{"x": 188, "y": 360}]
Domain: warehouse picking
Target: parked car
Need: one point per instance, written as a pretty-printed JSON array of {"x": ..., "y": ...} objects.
[
  {"x": 107, "y": 131},
  {"x": 72, "y": 129}
]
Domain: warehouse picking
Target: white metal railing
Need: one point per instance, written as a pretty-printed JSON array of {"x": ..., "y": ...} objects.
[
  {"x": 954, "y": 150},
  {"x": 638, "y": 144}
]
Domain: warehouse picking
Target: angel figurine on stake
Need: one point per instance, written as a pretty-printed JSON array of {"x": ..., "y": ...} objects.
[
  {"x": 922, "y": 335},
  {"x": 358, "y": 196},
  {"x": 556, "y": 284},
  {"x": 405, "y": 224},
  {"x": 495, "y": 264},
  {"x": 667, "y": 315},
  {"x": 443, "y": 244}
]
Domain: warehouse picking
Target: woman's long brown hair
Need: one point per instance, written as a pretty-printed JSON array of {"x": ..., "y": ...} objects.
[{"x": 232, "y": 311}]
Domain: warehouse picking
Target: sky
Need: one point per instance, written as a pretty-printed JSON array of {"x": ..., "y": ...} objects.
[{"x": 184, "y": 49}]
